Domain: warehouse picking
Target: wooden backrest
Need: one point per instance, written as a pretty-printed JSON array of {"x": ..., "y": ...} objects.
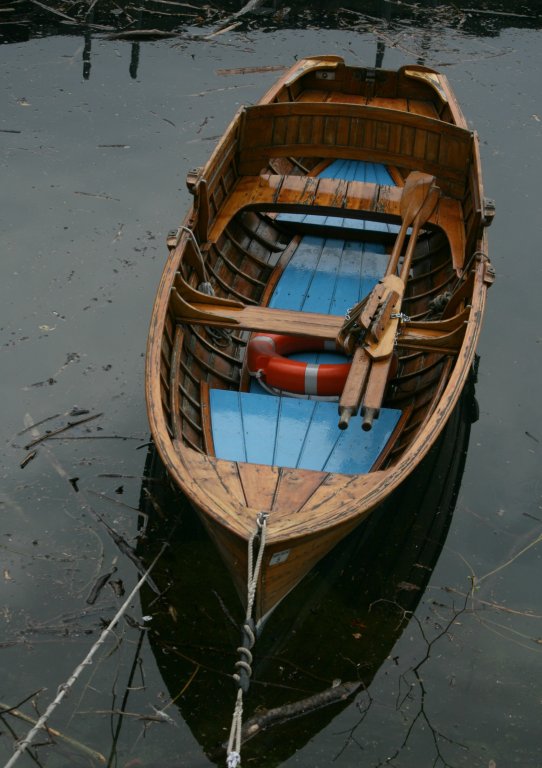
[{"x": 357, "y": 132}]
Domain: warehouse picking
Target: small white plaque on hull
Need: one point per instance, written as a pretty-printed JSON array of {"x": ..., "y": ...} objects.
[{"x": 279, "y": 557}]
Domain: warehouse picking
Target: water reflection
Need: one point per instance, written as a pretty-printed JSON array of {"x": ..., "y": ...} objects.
[
  {"x": 325, "y": 643},
  {"x": 393, "y": 23}
]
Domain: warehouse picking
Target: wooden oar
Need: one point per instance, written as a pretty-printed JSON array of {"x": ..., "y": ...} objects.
[
  {"x": 381, "y": 353},
  {"x": 413, "y": 200}
]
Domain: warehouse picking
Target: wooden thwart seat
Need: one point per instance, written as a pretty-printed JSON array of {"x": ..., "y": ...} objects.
[
  {"x": 357, "y": 199},
  {"x": 193, "y": 307}
]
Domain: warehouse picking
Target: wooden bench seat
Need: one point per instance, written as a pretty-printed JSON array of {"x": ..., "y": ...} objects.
[
  {"x": 326, "y": 196},
  {"x": 443, "y": 336}
]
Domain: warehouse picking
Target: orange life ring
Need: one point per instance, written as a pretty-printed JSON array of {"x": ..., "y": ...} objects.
[{"x": 265, "y": 358}]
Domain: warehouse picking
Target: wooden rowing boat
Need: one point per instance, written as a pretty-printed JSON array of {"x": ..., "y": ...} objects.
[{"x": 345, "y": 210}]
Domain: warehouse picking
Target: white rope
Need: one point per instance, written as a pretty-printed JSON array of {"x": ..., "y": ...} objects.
[
  {"x": 234, "y": 744},
  {"x": 253, "y": 571},
  {"x": 195, "y": 243},
  {"x": 65, "y": 687}
]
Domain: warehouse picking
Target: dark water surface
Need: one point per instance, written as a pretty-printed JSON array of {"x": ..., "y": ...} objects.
[{"x": 96, "y": 138}]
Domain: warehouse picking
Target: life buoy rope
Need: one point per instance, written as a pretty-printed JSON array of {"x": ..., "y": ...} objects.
[{"x": 266, "y": 360}]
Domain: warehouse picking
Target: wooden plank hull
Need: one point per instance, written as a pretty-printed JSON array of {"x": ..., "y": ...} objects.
[{"x": 304, "y": 191}]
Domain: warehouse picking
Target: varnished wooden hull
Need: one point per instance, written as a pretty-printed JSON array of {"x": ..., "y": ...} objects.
[{"x": 242, "y": 235}]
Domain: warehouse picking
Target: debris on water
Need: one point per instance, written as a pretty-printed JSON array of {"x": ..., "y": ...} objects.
[
  {"x": 117, "y": 587},
  {"x": 99, "y": 195},
  {"x": 60, "y": 430},
  {"x": 28, "y": 458},
  {"x": 161, "y": 715},
  {"x": 407, "y": 586},
  {"x": 75, "y": 411},
  {"x": 141, "y": 34},
  {"x": 98, "y": 586},
  {"x": 249, "y": 70}
]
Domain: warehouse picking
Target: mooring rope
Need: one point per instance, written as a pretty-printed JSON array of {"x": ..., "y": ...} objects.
[
  {"x": 244, "y": 665},
  {"x": 220, "y": 336}
]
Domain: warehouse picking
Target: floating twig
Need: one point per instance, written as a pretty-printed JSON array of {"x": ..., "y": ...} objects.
[
  {"x": 126, "y": 549},
  {"x": 250, "y": 70},
  {"x": 58, "y": 431},
  {"x": 114, "y": 501},
  {"x": 38, "y": 423},
  {"x": 142, "y": 34},
  {"x": 53, "y": 10},
  {"x": 98, "y": 586},
  {"x": 498, "y": 13},
  {"x": 27, "y": 459},
  {"x": 5, "y": 709},
  {"x": 99, "y": 195},
  {"x": 223, "y": 30}
]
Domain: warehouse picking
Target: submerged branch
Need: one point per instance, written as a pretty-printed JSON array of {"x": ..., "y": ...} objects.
[
  {"x": 14, "y": 712},
  {"x": 277, "y": 715},
  {"x": 65, "y": 688}
]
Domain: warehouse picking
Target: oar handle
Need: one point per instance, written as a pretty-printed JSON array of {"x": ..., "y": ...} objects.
[{"x": 397, "y": 248}]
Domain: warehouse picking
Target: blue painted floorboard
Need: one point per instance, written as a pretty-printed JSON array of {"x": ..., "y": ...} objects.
[
  {"x": 292, "y": 432},
  {"x": 326, "y": 275}
]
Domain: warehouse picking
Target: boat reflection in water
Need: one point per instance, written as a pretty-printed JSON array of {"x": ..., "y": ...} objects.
[{"x": 326, "y": 641}]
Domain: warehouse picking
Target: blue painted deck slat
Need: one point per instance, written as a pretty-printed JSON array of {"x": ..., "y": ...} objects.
[
  {"x": 290, "y": 293},
  {"x": 227, "y": 420},
  {"x": 321, "y": 437},
  {"x": 322, "y": 287},
  {"x": 291, "y": 432},
  {"x": 295, "y": 415},
  {"x": 329, "y": 275},
  {"x": 259, "y": 427}
]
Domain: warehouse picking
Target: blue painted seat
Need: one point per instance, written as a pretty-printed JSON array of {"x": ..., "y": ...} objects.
[{"x": 292, "y": 432}]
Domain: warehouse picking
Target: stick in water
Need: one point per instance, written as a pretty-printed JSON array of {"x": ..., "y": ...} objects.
[{"x": 65, "y": 687}]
